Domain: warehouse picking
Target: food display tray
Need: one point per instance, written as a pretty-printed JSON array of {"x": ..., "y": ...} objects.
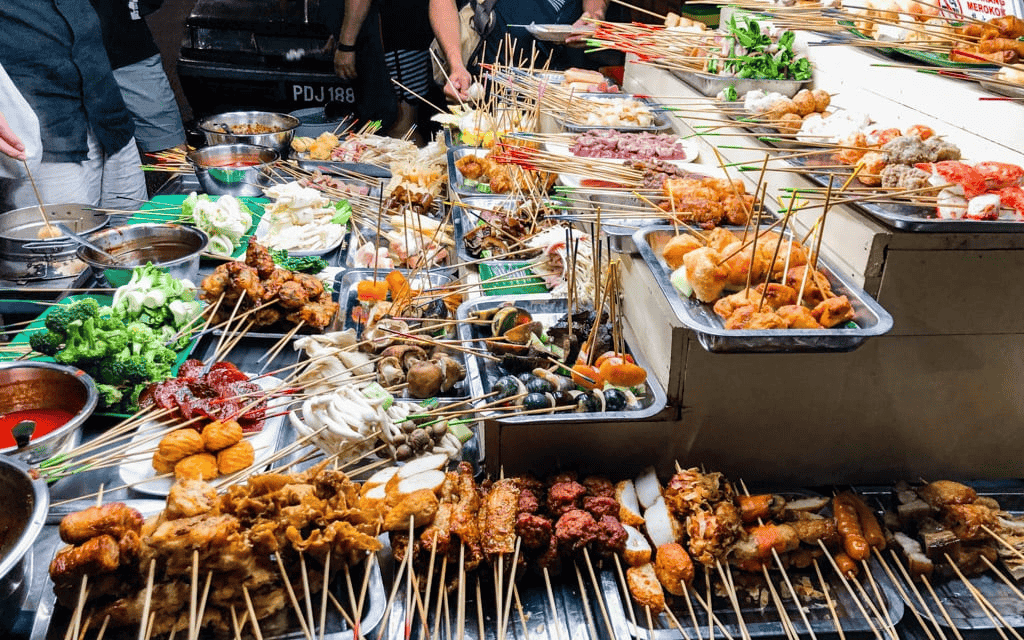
[
  {"x": 456, "y": 182},
  {"x": 483, "y": 373},
  {"x": 346, "y": 295},
  {"x": 342, "y": 169},
  {"x": 710, "y": 84},
  {"x": 366, "y": 234},
  {"x": 465, "y": 219},
  {"x": 576, "y": 614},
  {"x": 51, "y": 619},
  {"x": 660, "y": 122},
  {"x": 900, "y": 216},
  {"x": 167, "y": 209},
  {"x": 871, "y": 318},
  {"x": 765, "y": 622},
  {"x": 953, "y": 596}
]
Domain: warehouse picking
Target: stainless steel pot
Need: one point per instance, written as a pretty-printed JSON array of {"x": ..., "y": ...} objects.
[
  {"x": 226, "y": 128},
  {"x": 175, "y": 248},
  {"x": 25, "y": 504},
  {"x": 46, "y": 385},
  {"x": 24, "y": 257}
]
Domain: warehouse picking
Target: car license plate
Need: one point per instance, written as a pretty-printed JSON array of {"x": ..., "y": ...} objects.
[{"x": 321, "y": 93}]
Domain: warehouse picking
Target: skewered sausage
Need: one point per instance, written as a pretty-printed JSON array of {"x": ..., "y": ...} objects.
[
  {"x": 848, "y": 523},
  {"x": 114, "y": 519},
  {"x": 868, "y": 523},
  {"x": 846, "y": 565},
  {"x": 97, "y": 555}
]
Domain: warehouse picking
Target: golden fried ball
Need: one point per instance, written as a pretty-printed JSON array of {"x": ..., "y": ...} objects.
[
  {"x": 201, "y": 466},
  {"x": 804, "y": 103},
  {"x": 821, "y": 100},
  {"x": 220, "y": 435},
  {"x": 778, "y": 109},
  {"x": 162, "y": 464},
  {"x": 236, "y": 457},
  {"x": 180, "y": 444},
  {"x": 789, "y": 123}
]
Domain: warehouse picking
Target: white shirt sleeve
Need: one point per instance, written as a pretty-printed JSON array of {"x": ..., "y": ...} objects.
[{"x": 24, "y": 123}]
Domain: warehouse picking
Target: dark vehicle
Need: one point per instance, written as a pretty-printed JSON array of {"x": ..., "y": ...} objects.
[{"x": 270, "y": 55}]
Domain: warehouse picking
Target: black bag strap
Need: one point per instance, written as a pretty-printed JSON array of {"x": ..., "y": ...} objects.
[{"x": 483, "y": 16}]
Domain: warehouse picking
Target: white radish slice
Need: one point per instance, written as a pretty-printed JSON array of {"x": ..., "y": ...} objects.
[
  {"x": 629, "y": 504},
  {"x": 432, "y": 480},
  {"x": 374, "y": 496},
  {"x": 648, "y": 489},
  {"x": 638, "y": 550},
  {"x": 659, "y": 524},
  {"x": 419, "y": 465}
]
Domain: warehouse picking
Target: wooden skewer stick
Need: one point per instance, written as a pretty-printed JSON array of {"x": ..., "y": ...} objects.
[
  {"x": 391, "y": 601},
  {"x": 307, "y": 592},
  {"x": 442, "y": 598},
  {"x": 325, "y": 590},
  {"x": 148, "y": 599},
  {"x": 481, "y": 630},
  {"x": 983, "y": 602},
  {"x": 903, "y": 594},
  {"x": 713, "y": 619},
  {"x": 849, "y": 590},
  {"x": 252, "y": 612},
  {"x": 202, "y": 605},
  {"x": 917, "y": 593},
  {"x": 460, "y": 627},
  {"x": 193, "y": 605},
  {"x": 551, "y": 602},
  {"x": 828, "y": 600},
  {"x": 584, "y": 599},
  {"x": 733, "y": 599},
  {"x": 878, "y": 594},
  {"x": 597, "y": 591},
  {"x": 942, "y": 608}
]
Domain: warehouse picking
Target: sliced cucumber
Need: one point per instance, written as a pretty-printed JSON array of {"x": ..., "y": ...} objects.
[{"x": 681, "y": 284}]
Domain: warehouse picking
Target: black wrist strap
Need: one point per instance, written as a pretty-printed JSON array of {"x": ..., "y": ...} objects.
[{"x": 349, "y": 48}]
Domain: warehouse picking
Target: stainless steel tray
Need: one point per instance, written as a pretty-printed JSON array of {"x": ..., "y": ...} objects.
[
  {"x": 348, "y": 258},
  {"x": 456, "y": 182},
  {"x": 710, "y": 84},
  {"x": 482, "y": 373},
  {"x": 871, "y": 320},
  {"x": 346, "y": 295},
  {"x": 765, "y": 621},
  {"x": 465, "y": 219},
  {"x": 904, "y": 217},
  {"x": 660, "y": 120},
  {"x": 965, "y": 612},
  {"x": 343, "y": 168}
]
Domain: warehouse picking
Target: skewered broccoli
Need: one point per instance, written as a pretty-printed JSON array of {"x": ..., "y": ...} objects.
[
  {"x": 46, "y": 342},
  {"x": 110, "y": 396}
]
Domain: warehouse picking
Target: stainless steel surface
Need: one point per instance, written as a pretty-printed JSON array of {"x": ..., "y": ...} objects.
[
  {"x": 342, "y": 168},
  {"x": 114, "y": 260},
  {"x": 25, "y": 504},
  {"x": 904, "y": 216},
  {"x": 763, "y": 621},
  {"x": 47, "y": 385},
  {"x": 465, "y": 216},
  {"x": 209, "y": 164},
  {"x": 660, "y": 120},
  {"x": 710, "y": 84},
  {"x": 483, "y": 373},
  {"x": 871, "y": 318},
  {"x": 175, "y": 248},
  {"x": 280, "y": 139},
  {"x": 24, "y": 257}
]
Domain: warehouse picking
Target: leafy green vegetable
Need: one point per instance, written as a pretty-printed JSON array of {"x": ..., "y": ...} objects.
[
  {"x": 758, "y": 57},
  {"x": 730, "y": 94},
  {"x": 344, "y": 212},
  {"x": 305, "y": 264}
]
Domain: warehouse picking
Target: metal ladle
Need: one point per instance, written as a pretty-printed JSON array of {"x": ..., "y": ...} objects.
[
  {"x": 22, "y": 432},
  {"x": 114, "y": 260}
]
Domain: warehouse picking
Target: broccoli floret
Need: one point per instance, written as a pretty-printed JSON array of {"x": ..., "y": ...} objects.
[
  {"x": 110, "y": 396},
  {"x": 138, "y": 336},
  {"x": 110, "y": 371},
  {"x": 136, "y": 369},
  {"x": 84, "y": 309},
  {"x": 130, "y": 398},
  {"x": 109, "y": 322},
  {"x": 84, "y": 342},
  {"x": 46, "y": 342},
  {"x": 58, "y": 319}
]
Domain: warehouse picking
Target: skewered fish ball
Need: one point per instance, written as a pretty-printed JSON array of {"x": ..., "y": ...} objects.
[
  {"x": 201, "y": 466},
  {"x": 180, "y": 444},
  {"x": 236, "y": 457},
  {"x": 220, "y": 435}
]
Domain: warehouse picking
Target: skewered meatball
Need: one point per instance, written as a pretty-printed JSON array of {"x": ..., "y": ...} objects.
[
  {"x": 601, "y": 506},
  {"x": 575, "y": 529},
  {"x": 257, "y": 256},
  {"x": 610, "y": 537},
  {"x": 564, "y": 497},
  {"x": 528, "y": 501},
  {"x": 821, "y": 100},
  {"x": 292, "y": 295},
  {"x": 201, "y": 466},
  {"x": 534, "y": 530},
  {"x": 599, "y": 486}
]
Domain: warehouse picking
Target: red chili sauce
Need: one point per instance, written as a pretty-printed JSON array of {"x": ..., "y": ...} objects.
[
  {"x": 237, "y": 163},
  {"x": 46, "y": 420}
]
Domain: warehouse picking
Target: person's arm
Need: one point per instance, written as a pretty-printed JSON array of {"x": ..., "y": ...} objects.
[
  {"x": 345, "y": 55},
  {"x": 592, "y": 9},
  {"x": 444, "y": 20},
  {"x": 10, "y": 144}
]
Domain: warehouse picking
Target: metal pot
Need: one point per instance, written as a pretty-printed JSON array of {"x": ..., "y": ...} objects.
[
  {"x": 46, "y": 385},
  {"x": 217, "y": 177},
  {"x": 175, "y": 248},
  {"x": 26, "y": 502},
  {"x": 24, "y": 257},
  {"x": 216, "y": 129}
]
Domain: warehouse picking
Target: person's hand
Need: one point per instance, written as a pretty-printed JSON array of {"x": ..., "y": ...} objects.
[
  {"x": 10, "y": 144},
  {"x": 583, "y": 29},
  {"x": 345, "y": 64},
  {"x": 458, "y": 84}
]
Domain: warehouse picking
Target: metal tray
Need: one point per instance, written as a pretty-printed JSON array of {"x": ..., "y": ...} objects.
[
  {"x": 247, "y": 353},
  {"x": 345, "y": 294},
  {"x": 51, "y": 620},
  {"x": 571, "y": 619},
  {"x": 465, "y": 220},
  {"x": 710, "y": 84},
  {"x": 904, "y": 217},
  {"x": 660, "y": 121},
  {"x": 456, "y": 182},
  {"x": 368, "y": 234},
  {"x": 872, "y": 319},
  {"x": 965, "y": 612},
  {"x": 482, "y": 374},
  {"x": 343, "y": 168},
  {"x": 764, "y": 622}
]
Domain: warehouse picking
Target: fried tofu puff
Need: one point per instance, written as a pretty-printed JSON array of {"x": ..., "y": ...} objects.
[
  {"x": 236, "y": 457},
  {"x": 201, "y": 466}
]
